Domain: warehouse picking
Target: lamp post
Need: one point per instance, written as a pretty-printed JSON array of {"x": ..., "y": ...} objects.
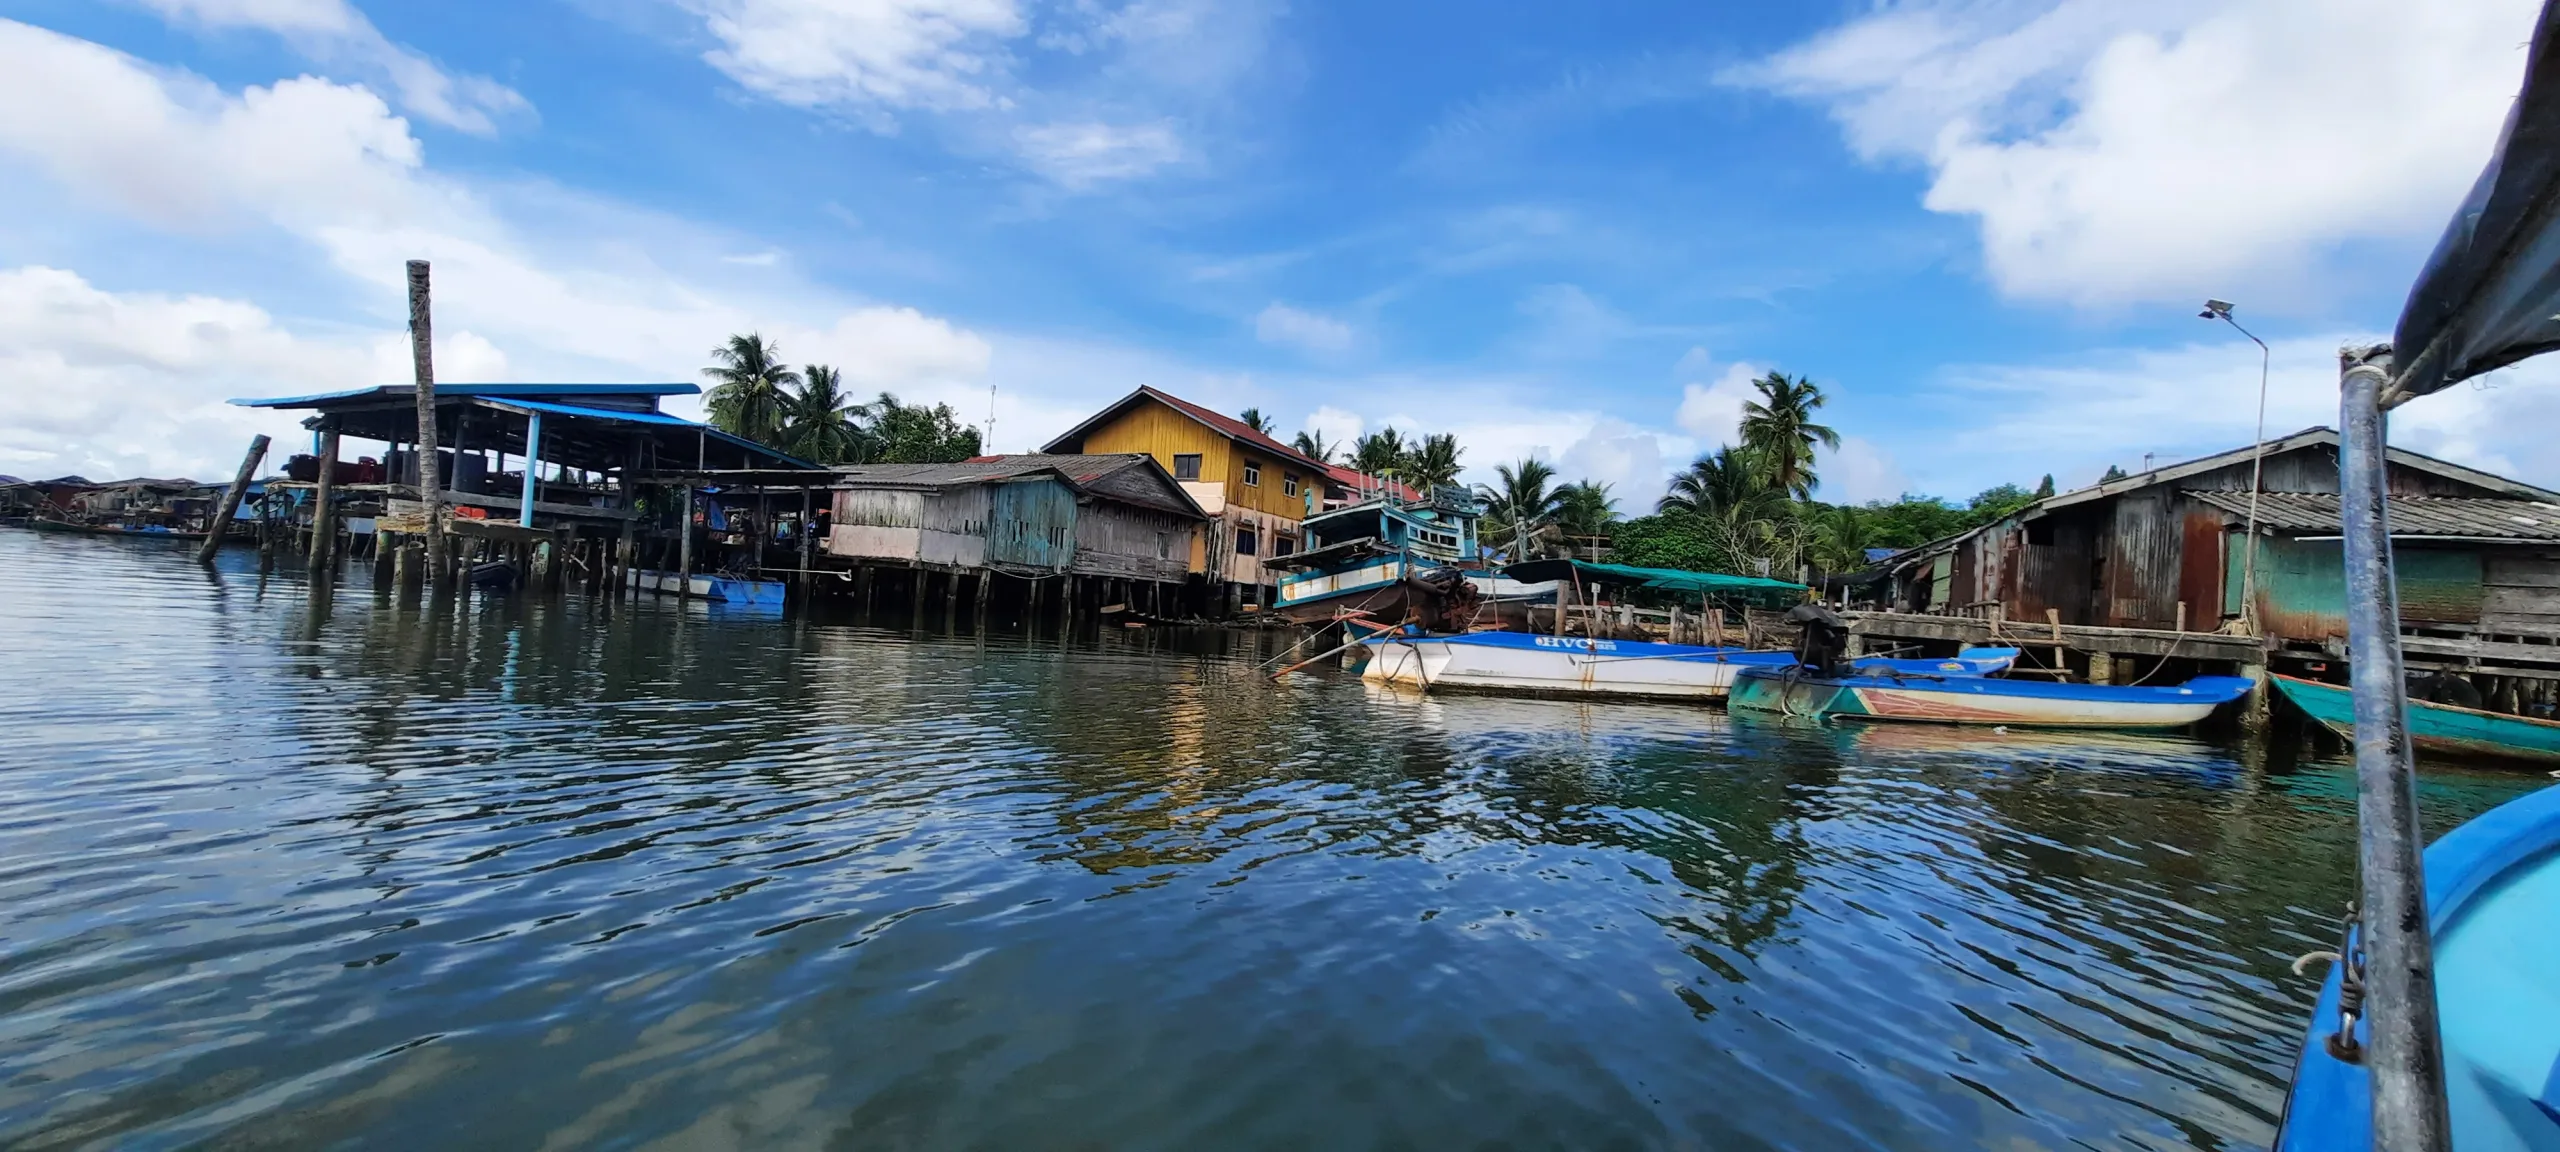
[{"x": 2221, "y": 310}]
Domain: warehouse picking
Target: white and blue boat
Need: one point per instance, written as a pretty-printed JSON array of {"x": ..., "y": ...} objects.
[
  {"x": 1881, "y": 691},
  {"x": 1519, "y": 662}
]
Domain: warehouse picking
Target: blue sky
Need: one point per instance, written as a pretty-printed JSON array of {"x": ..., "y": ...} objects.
[{"x": 1983, "y": 225}]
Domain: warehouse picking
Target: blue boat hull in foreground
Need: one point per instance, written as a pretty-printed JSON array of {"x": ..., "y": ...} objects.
[
  {"x": 2493, "y": 905},
  {"x": 1892, "y": 694}
]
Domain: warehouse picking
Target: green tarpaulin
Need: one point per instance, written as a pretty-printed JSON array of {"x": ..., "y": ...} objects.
[{"x": 1666, "y": 579}]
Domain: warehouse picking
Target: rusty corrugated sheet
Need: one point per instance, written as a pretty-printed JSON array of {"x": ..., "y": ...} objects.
[
  {"x": 2200, "y": 561},
  {"x": 2142, "y": 562},
  {"x": 2302, "y": 593}
]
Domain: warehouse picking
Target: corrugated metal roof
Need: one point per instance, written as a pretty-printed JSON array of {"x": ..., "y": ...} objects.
[
  {"x": 2459, "y": 517},
  {"x": 489, "y": 391},
  {"x": 1222, "y": 424},
  {"x": 938, "y": 475}
]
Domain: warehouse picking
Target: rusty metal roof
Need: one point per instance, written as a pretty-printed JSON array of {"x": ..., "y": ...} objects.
[{"x": 2447, "y": 517}]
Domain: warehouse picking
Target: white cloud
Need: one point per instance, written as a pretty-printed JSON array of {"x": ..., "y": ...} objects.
[
  {"x": 1306, "y": 331},
  {"x": 1081, "y": 155},
  {"x": 1857, "y": 471},
  {"x": 333, "y": 34},
  {"x": 2117, "y": 152},
  {"x": 121, "y": 384},
  {"x": 866, "y": 56},
  {"x": 176, "y": 151},
  {"x": 1336, "y": 425},
  {"x": 1711, "y": 410},
  {"x": 329, "y": 168},
  {"x": 2075, "y": 418},
  {"x": 1635, "y": 463}
]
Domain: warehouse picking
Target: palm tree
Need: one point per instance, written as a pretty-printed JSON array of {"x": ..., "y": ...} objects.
[
  {"x": 1254, "y": 419},
  {"x": 1521, "y": 505},
  {"x": 1314, "y": 446},
  {"x": 750, "y": 389},
  {"x": 1585, "y": 509},
  {"x": 817, "y": 420},
  {"x": 1715, "y": 484},
  {"x": 1779, "y": 429},
  {"x": 1434, "y": 462},
  {"x": 1839, "y": 539},
  {"x": 1379, "y": 453}
]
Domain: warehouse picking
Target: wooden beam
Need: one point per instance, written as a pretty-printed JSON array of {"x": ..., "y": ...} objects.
[
  {"x": 2077, "y": 637},
  {"x": 231, "y": 499}
]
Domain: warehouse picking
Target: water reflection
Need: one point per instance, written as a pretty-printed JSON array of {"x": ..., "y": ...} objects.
[{"x": 510, "y": 871}]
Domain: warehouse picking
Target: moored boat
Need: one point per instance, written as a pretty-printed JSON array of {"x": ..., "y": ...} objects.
[
  {"x": 146, "y": 531},
  {"x": 2491, "y": 884},
  {"x": 2441, "y": 729},
  {"x": 1519, "y": 662},
  {"x": 1886, "y": 693}
]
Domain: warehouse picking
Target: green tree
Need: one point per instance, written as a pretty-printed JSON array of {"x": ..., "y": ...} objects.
[
  {"x": 1520, "y": 508},
  {"x": 1314, "y": 446},
  {"x": 899, "y": 433},
  {"x": 817, "y": 420},
  {"x": 1997, "y": 503},
  {"x": 1254, "y": 419},
  {"x": 1379, "y": 453},
  {"x": 750, "y": 387},
  {"x": 1838, "y": 538},
  {"x": 1433, "y": 462},
  {"x": 2112, "y": 473},
  {"x": 1780, "y": 431},
  {"x": 2044, "y": 487},
  {"x": 1672, "y": 540}
]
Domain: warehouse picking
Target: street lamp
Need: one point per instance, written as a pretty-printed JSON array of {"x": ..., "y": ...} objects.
[{"x": 2221, "y": 310}]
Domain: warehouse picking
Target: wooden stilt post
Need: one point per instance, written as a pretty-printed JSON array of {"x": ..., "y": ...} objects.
[
  {"x": 986, "y": 582},
  {"x": 423, "y": 362},
  {"x": 2053, "y": 619},
  {"x": 1032, "y": 597},
  {"x": 684, "y": 547},
  {"x": 324, "y": 519},
  {"x": 915, "y": 606},
  {"x": 231, "y": 499},
  {"x": 808, "y": 542},
  {"x": 951, "y": 602}
]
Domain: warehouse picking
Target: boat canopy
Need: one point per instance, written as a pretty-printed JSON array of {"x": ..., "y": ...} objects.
[
  {"x": 1665, "y": 579},
  {"x": 2490, "y": 294}
]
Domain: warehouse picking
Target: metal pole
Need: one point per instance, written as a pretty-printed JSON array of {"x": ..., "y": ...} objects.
[
  {"x": 2257, "y": 469},
  {"x": 2406, "y": 1053},
  {"x": 532, "y": 464}
]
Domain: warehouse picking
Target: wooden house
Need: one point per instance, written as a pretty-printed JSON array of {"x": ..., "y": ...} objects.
[
  {"x": 2477, "y": 558},
  {"x": 1110, "y": 516},
  {"x": 1255, "y": 490}
]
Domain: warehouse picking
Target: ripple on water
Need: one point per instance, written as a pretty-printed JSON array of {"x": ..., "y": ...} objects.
[{"x": 556, "y": 874}]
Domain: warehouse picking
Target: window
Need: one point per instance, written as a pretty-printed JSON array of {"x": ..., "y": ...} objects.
[
  {"x": 1252, "y": 475},
  {"x": 1246, "y": 540},
  {"x": 1283, "y": 545},
  {"x": 1288, "y": 484},
  {"x": 1186, "y": 466}
]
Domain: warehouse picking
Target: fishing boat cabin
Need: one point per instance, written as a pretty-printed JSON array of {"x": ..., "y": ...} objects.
[{"x": 1364, "y": 555}]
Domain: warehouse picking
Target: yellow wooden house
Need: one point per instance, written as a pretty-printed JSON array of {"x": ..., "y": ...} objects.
[{"x": 1255, "y": 489}]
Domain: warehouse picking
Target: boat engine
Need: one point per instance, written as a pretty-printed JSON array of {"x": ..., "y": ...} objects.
[{"x": 1822, "y": 639}]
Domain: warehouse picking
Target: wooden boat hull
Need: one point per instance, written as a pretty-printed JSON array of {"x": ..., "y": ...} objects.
[
  {"x": 2440, "y": 729},
  {"x": 1522, "y": 663},
  {"x": 1977, "y": 700},
  {"x": 2491, "y": 885}
]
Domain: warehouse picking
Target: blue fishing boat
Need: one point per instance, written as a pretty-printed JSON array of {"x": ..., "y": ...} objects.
[
  {"x": 1388, "y": 557},
  {"x": 1884, "y": 692},
  {"x": 2492, "y": 887},
  {"x": 2441, "y": 729}
]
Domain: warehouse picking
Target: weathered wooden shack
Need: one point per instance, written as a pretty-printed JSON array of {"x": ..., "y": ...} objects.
[
  {"x": 1112, "y": 527},
  {"x": 2477, "y": 555}
]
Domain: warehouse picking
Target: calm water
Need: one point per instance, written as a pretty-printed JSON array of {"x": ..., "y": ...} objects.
[{"x": 556, "y": 875}]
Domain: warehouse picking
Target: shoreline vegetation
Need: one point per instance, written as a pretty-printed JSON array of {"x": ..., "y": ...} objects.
[{"x": 1747, "y": 507}]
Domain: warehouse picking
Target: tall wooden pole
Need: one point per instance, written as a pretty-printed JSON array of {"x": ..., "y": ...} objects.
[
  {"x": 324, "y": 521},
  {"x": 231, "y": 500},
  {"x": 422, "y": 353}
]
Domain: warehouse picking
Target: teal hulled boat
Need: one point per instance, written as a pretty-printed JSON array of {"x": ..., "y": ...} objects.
[{"x": 2442, "y": 729}]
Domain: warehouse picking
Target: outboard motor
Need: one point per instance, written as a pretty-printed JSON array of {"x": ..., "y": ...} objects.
[{"x": 1822, "y": 639}]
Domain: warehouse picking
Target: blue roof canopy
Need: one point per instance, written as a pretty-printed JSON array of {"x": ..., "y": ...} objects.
[{"x": 490, "y": 391}]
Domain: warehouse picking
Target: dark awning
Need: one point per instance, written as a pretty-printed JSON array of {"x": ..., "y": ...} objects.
[{"x": 2490, "y": 295}]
